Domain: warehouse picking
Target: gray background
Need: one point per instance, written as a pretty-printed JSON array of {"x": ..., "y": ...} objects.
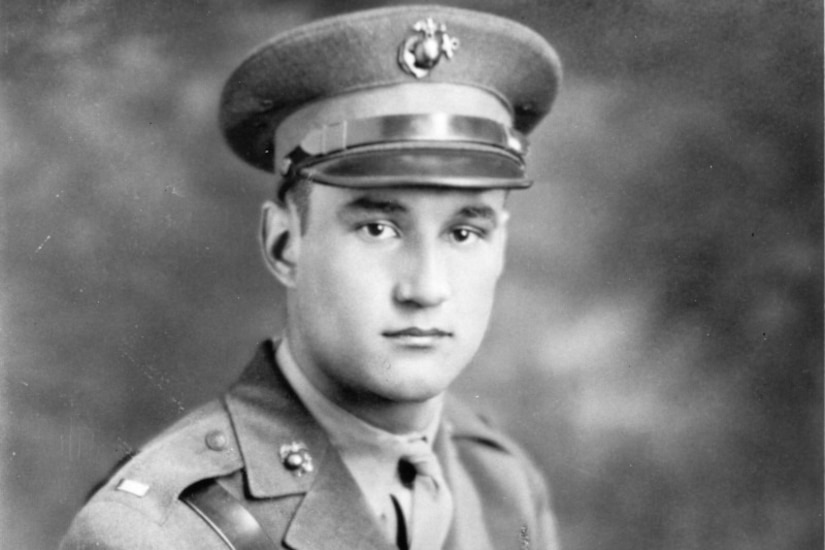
[{"x": 657, "y": 338}]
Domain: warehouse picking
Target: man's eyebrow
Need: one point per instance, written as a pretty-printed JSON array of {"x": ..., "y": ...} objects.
[
  {"x": 372, "y": 204},
  {"x": 478, "y": 211}
]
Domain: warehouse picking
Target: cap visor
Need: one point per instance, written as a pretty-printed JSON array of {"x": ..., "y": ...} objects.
[{"x": 473, "y": 169}]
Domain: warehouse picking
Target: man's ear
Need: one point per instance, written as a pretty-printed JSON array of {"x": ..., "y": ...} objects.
[{"x": 280, "y": 241}]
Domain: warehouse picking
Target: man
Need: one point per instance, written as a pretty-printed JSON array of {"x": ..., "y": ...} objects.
[{"x": 396, "y": 135}]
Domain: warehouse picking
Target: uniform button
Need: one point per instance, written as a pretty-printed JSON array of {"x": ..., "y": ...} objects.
[{"x": 216, "y": 440}]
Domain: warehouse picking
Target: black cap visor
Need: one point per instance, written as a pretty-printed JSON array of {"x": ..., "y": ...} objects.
[{"x": 470, "y": 167}]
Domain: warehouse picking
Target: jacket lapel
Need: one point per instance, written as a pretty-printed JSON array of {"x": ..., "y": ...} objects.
[
  {"x": 266, "y": 414},
  {"x": 334, "y": 515},
  {"x": 477, "y": 506},
  {"x": 468, "y": 531}
]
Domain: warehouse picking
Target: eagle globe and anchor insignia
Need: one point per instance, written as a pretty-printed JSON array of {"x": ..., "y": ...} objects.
[
  {"x": 296, "y": 458},
  {"x": 422, "y": 51}
]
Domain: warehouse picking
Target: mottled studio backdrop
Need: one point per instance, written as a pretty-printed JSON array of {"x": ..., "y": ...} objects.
[{"x": 657, "y": 339}]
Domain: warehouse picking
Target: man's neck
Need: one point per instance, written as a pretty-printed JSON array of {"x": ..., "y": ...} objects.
[
  {"x": 392, "y": 416},
  {"x": 397, "y": 418}
]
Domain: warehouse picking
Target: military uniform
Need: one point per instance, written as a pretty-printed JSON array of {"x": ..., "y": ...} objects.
[
  {"x": 404, "y": 97},
  {"x": 500, "y": 497}
]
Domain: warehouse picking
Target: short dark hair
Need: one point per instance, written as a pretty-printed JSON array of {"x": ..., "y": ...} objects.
[{"x": 297, "y": 192}]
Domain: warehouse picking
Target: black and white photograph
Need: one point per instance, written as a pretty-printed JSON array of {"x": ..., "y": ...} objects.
[{"x": 386, "y": 275}]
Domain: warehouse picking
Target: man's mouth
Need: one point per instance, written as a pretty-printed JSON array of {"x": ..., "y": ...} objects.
[
  {"x": 415, "y": 331},
  {"x": 415, "y": 337}
]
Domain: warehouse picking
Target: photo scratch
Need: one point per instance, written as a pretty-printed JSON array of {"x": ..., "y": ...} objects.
[
  {"x": 39, "y": 248},
  {"x": 157, "y": 379}
]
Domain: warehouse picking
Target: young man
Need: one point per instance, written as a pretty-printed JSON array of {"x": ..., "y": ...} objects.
[{"x": 396, "y": 135}]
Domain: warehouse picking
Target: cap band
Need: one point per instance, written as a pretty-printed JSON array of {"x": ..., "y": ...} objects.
[
  {"x": 414, "y": 98},
  {"x": 409, "y": 131}
]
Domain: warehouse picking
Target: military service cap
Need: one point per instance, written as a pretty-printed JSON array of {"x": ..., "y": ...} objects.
[{"x": 411, "y": 95}]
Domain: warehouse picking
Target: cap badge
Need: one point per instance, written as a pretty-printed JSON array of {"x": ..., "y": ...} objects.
[
  {"x": 422, "y": 51},
  {"x": 296, "y": 458}
]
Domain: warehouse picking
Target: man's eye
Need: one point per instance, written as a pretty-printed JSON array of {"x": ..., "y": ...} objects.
[
  {"x": 464, "y": 235},
  {"x": 378, "y": 231}
]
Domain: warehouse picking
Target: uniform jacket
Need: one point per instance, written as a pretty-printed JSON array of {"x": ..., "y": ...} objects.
[{"x": 500, "y": 499}]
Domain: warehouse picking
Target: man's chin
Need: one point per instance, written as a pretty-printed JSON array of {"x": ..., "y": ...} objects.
[
  {"x": 416, "y": 395},
  {"x": 418, "y": 389}
]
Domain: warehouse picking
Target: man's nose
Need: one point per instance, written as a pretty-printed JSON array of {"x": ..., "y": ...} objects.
[{"x": 423, "y": 279}]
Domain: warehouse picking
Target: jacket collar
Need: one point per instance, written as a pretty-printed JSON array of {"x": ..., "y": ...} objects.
[
  {"x": 462, "y": 430},
  {"x": 267, "y": 414},
  {"x": 461, "y": 422}
]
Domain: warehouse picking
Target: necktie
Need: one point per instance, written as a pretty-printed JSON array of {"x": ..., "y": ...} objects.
[{"x": 432, "y": 503}]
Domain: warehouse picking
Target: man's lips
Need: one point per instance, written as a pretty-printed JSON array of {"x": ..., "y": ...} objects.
[{"x": 415, "y": 332}]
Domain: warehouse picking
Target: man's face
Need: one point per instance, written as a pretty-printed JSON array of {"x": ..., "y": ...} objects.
[{"x": 393, "y": 288}]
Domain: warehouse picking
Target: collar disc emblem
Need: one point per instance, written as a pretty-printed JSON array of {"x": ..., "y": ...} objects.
[{"x": 296, "y": 458}]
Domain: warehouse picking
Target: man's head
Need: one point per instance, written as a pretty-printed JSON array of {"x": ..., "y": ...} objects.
[
  {"x": 397, "y": 134},
  {"x": 389, "y": 290}
]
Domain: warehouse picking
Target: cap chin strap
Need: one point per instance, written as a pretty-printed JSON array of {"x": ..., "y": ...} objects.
[{"x": 410, "y": 130}]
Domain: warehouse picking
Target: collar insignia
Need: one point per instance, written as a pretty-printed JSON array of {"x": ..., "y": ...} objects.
[{"x": 296, "y": 458}]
